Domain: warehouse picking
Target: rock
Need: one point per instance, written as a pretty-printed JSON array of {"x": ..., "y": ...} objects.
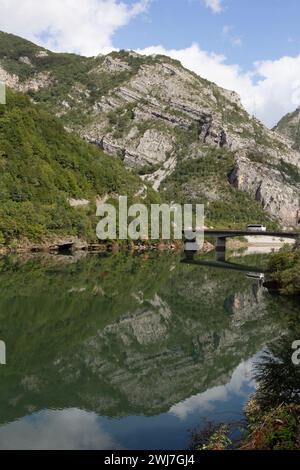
[
  {"x": 39, "y": 81},
  {"x": 158, "y": 176},
  {"x": 231, "y": 96},
  {"x": 154, "y": 146},
  {"x": 114, "y": 65},
  {"x": 142, "y": 114},
  {"x": 267, "y": 185},
  {"x": 159, "y": 113},
  {"x": 110, "y": 147},
  {"x": 41, "y": 54},
  {"x": 25, "y": 60},
  {"x": 289, "y": 128},
  {"x": 10, "y": 80}
]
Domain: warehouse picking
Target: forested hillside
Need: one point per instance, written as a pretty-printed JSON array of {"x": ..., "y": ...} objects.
[{"x": 43, "y": 167}]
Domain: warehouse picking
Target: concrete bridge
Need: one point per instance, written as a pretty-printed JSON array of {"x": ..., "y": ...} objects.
[{"x": 222, "y": 235}]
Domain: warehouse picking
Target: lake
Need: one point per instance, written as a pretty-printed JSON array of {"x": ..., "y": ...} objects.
[{"x": 128, "y": 351}]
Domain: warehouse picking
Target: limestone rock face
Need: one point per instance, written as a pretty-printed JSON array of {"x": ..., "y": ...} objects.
[
  {"x": 154, "y": 144},
  {"x": 153, "y": 114},
  {"x": 166, "y": 102},
  {"x": 289, "y": 127},
  {"x": 10, "y": 80},
  {"x": 268, "y": 186},
  {"x": 37, "y": 82},
  {"x": 114, "y": 65}
]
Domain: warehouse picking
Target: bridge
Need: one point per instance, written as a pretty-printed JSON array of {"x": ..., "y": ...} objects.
[{"x": 222, "y": 235}]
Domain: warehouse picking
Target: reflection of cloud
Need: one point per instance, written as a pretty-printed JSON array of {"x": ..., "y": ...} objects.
[
  {"x": 68, "y": 429},
  {"x": 206, "y": 400}
]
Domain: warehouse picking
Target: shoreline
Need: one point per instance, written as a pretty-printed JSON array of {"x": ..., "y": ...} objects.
[{"x": 74, "y": 244}]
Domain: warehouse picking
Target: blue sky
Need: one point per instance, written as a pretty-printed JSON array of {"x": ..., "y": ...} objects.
[
  {"x": 250, "y": 46},
  {"x": 267, "y": 29}
]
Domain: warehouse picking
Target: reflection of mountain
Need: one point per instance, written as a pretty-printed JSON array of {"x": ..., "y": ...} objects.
[{"x": 124, "y": 335}]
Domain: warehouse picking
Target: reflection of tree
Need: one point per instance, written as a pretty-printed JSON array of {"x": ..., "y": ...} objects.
[{"x": 278, "y": 378}]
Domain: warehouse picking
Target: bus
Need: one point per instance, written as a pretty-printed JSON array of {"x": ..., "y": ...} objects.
[{"x": 256, "y": 228}]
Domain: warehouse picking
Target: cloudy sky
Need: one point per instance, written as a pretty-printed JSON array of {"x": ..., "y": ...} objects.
[{"x": 250, "y": 46}]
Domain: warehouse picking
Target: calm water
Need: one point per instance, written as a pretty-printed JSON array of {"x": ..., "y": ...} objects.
[{"x": 127, "y": 351}]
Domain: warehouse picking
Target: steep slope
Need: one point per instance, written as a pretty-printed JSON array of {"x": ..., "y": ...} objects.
[
  {"x": 50, "y": 179},
  {"x": 289, "y": 126},
  {"x": 155, "y": 115}
]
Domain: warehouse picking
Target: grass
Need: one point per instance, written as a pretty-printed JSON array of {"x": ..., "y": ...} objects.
[{"x": 276, "y": 429}]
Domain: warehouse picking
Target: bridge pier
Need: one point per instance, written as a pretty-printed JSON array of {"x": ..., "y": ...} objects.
[
  {"x": 221, "y": 248},
  {"x": 221, "y": 236},
  {"x": 297, "y": 243},
  {"x": 189, "y": 254}
]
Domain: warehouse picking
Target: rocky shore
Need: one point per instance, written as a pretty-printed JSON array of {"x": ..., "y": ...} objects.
[{"x": 73, "y": 244}]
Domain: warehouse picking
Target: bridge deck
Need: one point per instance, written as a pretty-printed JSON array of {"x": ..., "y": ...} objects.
[{"x": 243, "y": 233}]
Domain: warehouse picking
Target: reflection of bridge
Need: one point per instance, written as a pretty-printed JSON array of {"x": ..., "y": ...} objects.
[
  {"x": 226, "y": 265},
  {"x": 222, "y": 235}
]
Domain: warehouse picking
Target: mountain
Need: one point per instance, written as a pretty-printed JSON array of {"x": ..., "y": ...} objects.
[
  {"x": 185, "y": 135},
  {"x": 50, "y": 179},
  {"x": 289, "y": 126}
]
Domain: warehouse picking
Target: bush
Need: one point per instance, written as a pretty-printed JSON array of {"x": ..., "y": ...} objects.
[{"x": 285, "y": 272}]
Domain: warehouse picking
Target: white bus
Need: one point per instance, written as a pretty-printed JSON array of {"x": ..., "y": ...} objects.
[{"x": 256, "y": 228}]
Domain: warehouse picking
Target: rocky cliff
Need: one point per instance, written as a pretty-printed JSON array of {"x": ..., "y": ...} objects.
[
  {"x": 154, "y": 114},
  {"x": 289, "y": 127}
]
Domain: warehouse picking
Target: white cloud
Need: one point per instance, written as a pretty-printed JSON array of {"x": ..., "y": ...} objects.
[
  {"x": 229, "y": 35},
  {"x": 269, "y": 90},
  {"x": 214, "y": 5},
  {"x": 85, "y": 27},
  {"x": 236, "y": 41}
]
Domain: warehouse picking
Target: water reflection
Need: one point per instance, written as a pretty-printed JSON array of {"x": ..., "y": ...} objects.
[
  {"x": 77, "y": 429},
  {"x": 239, "y": 385},
  {"x": 277, "y": 376},
  {"x": 253, "y": 272},
  {"x": 69, "y": 429},
  {"x": 126, "y": 346}
]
